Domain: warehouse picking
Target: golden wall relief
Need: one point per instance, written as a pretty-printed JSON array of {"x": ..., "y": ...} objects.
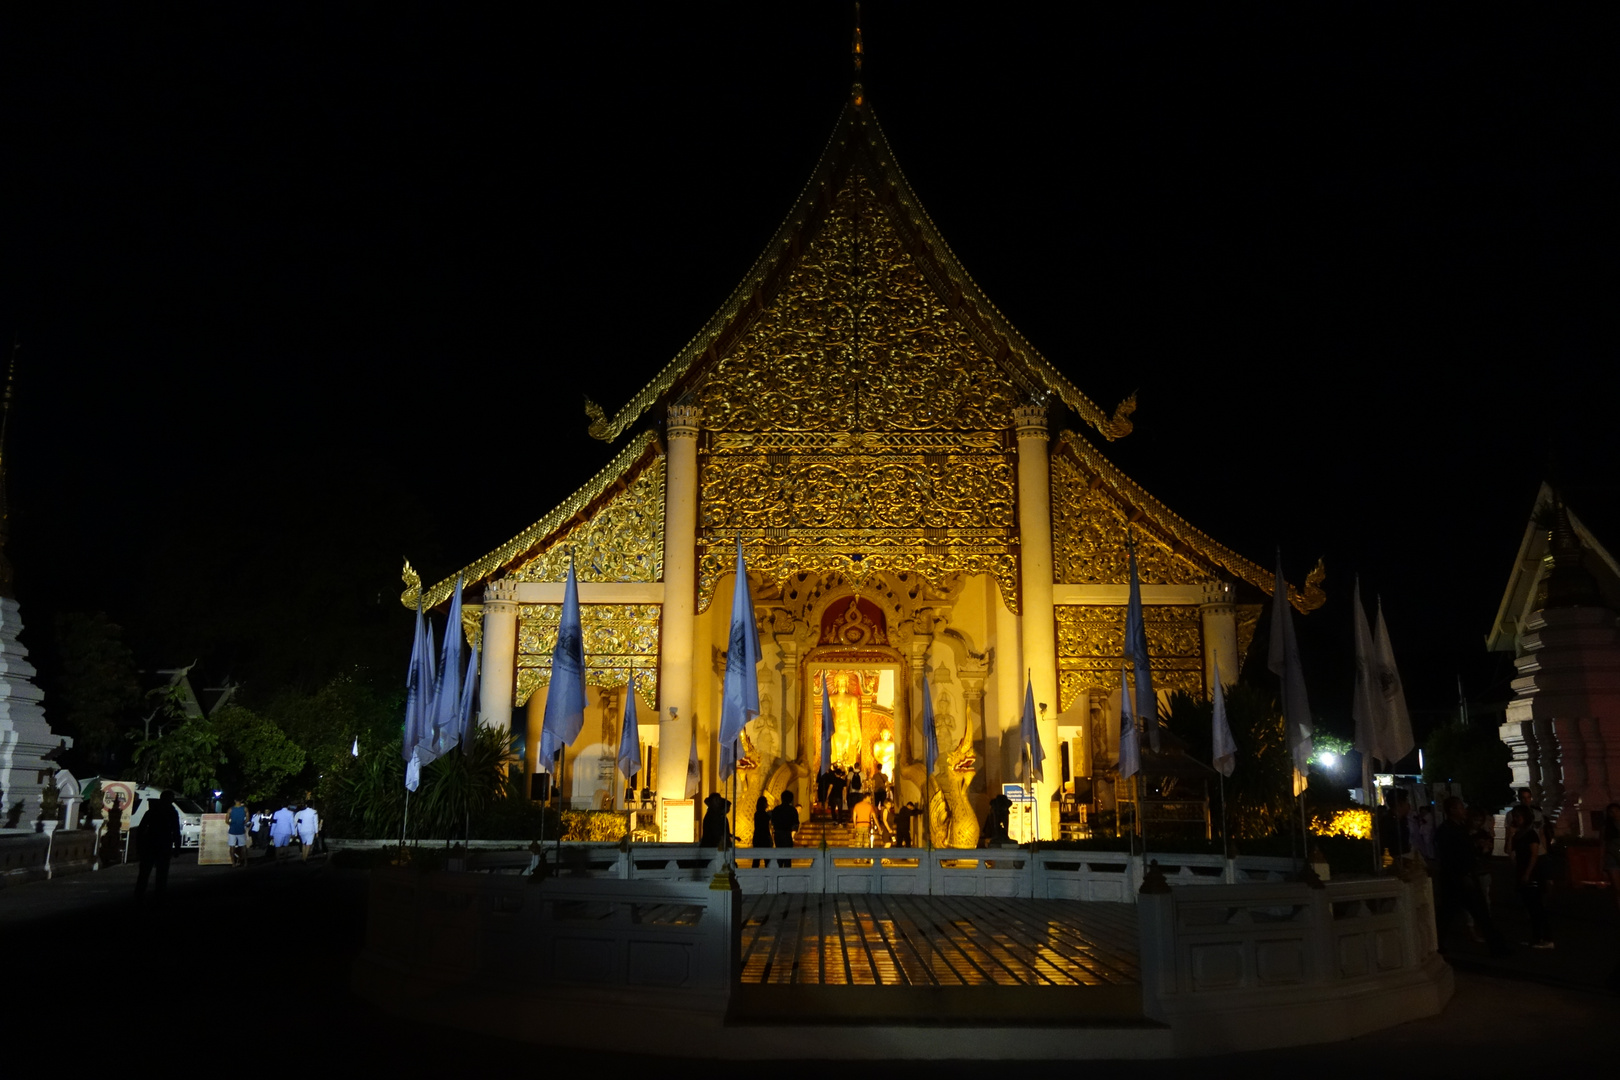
[
  {"x": 927, "y": 505},
  {"x": 1091, "y": 648},
  {"x": 1089, "y": 527},
  {"x": 623, "y": 540},
  {"x": 619, "y": 638},
  {"x": 856, "y": 340}
]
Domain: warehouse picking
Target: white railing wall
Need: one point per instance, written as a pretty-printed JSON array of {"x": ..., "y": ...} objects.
[
  {"x": 1241, "y": 967},
  {"x": 1111, "y": 876},
  {"x": 451, "y": 928}
]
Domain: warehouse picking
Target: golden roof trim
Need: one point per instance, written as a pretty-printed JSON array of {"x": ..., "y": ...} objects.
[
  {"x": 1183, "y": 533},
  {"x": 535, "y": 535},
  {"x": 969, "y": 304}
]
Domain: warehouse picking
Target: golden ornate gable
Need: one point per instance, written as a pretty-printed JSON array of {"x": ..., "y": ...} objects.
[
  {"x": 856, "y": 341},
  {"x": 856, "y": 427},
  {"x": 1092, "y": 503},
  {"x": 614, "y": 525},
  {"x": 858, "y": 146}
]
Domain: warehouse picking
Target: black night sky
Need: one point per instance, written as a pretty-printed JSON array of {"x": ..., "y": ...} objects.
[{"x": 303, "y": 291}]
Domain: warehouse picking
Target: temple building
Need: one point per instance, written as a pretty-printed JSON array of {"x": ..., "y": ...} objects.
[
  {"x": 916, "y": 488},
  {"x": 1558, "y": 618}
]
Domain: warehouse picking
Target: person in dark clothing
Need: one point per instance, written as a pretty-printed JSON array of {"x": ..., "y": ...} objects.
[
  {"x": 905, "y": 825},
  {"x": 158, "y": 840},
  {"x": 835, "y": 793},
  {"x": 998, "y": 821},
  {"x": 762, "y": 827},
  {"x": 1527, "y": 855},
  {"x": 714, "y": 822},
  {"x": 857, "y": 789},
  {"x": 823, "y": 787},
  {"x": 784, "y": 823},
  {"x": 1455, "y": 857}
]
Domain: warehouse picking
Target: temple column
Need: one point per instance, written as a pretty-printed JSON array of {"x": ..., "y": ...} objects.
[
  {"x": 680, "y": 601},
  {"x": 498, "y": 679},
  {"x": 1220, "y": 634},
  {"x": 1039, "y": 625}
]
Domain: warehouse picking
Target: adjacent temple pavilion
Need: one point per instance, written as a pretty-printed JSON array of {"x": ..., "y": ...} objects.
[{"x": 916, "y": 489}]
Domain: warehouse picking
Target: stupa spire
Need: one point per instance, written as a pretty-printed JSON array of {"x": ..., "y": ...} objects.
[
  {"x": 6, "y": 577},
  {"x": 857, "y": 50}
]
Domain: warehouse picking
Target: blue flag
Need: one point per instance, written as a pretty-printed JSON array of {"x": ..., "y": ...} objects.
[
  {"x": 464, "y": 708},
  {"x": 1224, "y": 754},
  {"x": 565, "y": 697},
  {"x": 1130, "y": 747},
  {"x": 418, "y": 686},
  {"x": 446, "y": 702},
  {"x": 1136, "y": 651},
  {"x": 740, "y": 700},
  {"x": 930, "y": 733},
  {"x": 1030, "y": 733},
  {"x": 630, "y": 734},
  {"x": 826, "y": 725}
]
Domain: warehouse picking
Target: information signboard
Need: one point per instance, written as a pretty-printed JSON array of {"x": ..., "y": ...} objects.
[
  {"x": 1021, "y": 818},
  {"x": 677, "y": 821},
  {"x": 214, "y": 849}
]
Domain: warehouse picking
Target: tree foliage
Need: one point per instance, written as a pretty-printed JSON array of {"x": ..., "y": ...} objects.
[
  {"x": 258, "y": 756},
  {"x": 1475, "y": 757},
  {"x": 1259, "y": 793},
  {"x": 99, "y": 688}
]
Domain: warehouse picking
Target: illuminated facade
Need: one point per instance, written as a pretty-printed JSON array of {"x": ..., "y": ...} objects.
[{"x": 915, "y": 487}]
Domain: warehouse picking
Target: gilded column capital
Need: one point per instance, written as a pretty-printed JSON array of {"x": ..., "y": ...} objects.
[
  {"x": 501, "y": 591},
  {"x": 1031, "y": 422},
  {"x": 1217, "y": 594},
  {"x": 684, "y": 421}
]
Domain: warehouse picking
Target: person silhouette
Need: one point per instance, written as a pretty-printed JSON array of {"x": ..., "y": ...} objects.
[{"x": 158, "y": 840}]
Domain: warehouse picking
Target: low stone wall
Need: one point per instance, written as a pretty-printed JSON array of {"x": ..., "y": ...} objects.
[
  {"x": 425, "y": 932},
  {"x": 1247, "y": 967},
  {"x": 31, "y": 856}
]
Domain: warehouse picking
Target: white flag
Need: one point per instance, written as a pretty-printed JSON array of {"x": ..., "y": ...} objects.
[
  {"x": 1225, "y": 750},
  {"x": 1283, "y": 660},
  {"x": 1130, "y": 750},
  {"x": 413, "y": 772},
  {"x": 1395, "y": 725},
  {"x": 1365, "y": 700},
  {"x": 354, "y": 751}
]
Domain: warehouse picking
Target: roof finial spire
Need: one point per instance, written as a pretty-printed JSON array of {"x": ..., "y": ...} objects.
[
  {"x": 857, "y": 50},
  {"x": 6, "y": 580}
]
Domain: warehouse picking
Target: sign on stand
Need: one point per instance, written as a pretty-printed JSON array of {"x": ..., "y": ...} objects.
[
  {"x": 1021, "y": 818},
  {"x": 677, "y": 821},
  {"x": 214, "y": 847}
]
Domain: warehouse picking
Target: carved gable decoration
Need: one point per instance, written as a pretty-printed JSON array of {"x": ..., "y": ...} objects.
[
  {"x": 1089, "y": 528},
  {"x": 856, "y": 427},
  {"x": 622, "y": 541},
  {"x": 856, "y": 341},
  {"x": 854, "y": 623}
]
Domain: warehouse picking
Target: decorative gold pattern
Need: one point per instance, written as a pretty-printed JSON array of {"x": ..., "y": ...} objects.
[
  {"x": 537, "y": 533},
  {"x": 1091, "y": 648},
  {"x": 1076, "y": 465},
  {"x": 472, "y": 624},
  {"x": 623, "y": 541},
  {"x": 1089, "y": 528},
  {"x": 858, "y": 145},
  {"x": 619, "y": 638},
  {"x": 856, "y": 427},
  {"x": 856, "y": 341},
  {"x": 1248, "y": 620}
]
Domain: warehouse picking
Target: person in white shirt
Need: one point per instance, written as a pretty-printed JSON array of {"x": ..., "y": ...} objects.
[
  {"x": 307, "y": 823},
  {"x": 281, "y": 829}
]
